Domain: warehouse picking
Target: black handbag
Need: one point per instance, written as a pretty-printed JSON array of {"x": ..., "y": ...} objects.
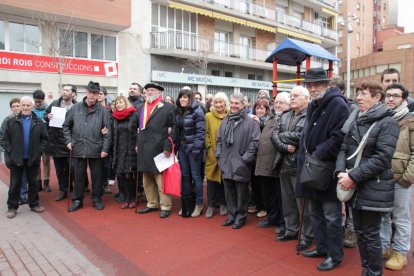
[{"x": 317, "y": 174}]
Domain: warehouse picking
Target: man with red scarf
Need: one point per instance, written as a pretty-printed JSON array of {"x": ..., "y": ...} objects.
[{"x": 156, "y": 120}]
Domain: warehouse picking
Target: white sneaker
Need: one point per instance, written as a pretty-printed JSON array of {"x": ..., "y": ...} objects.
[{"x": 111, "y": 182}]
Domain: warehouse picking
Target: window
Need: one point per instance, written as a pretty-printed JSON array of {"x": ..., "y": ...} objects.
[
  {"x": 358, "y": 6},
  {"x": 259, "y": 77},
  {"x": 251, "y": 76},
  {"x": 2, "y": 41},
  {"x": 221, "y": 43},
  {"x": 75, "y": 44},
  {"x": 24, "y": 38},
  {"x": 228, "y": 74},
  {"x": 215, "y": 73},
  {"x": 340, "y": 33},
  {"x": 358, "y": 51},
  {"x": 358, "y": 36},
  {"x": 245, "y": 47}
]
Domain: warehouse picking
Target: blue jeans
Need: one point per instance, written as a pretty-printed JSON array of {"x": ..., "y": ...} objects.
[
  {"x": 191, "y": 168},
  {"x": 401, "y": 217}
]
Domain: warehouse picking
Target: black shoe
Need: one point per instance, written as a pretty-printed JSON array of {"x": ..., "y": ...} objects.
[
  {"x": 165, "y": 213},
  {"x": 98, "y": 204},
  {"x": 265, "y": 224},
  {"x": 76, "y": 205},
  {"x": 147, "y": 210},
  {"x": 238, "y": 225},
  {"x": 61, "y": 196},
  {"x": 303, "y": 245},
  {"x": 46, "y": 186},
  {"x": 328, "y": 264},
  {"x": 314, "y": 254},
  {"x": 286, "y": 237},
  {"x": 228, "y": 222}
]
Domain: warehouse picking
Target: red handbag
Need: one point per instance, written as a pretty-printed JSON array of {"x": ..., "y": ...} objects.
[{"x": 171, "y": 177}]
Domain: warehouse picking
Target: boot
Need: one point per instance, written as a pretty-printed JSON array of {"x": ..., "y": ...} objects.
[
  {"x": 397, "y": 261},
  {"x": 350, "y": 240},
  {"x": 197, "y": 211},
  {"x": 46, "y": 186}
]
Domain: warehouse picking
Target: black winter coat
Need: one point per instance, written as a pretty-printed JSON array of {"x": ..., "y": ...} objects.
[
  {"x": 194, "y": 130},
  {"x": 82, "y": 128},
  {"x": 373, "y": 177},
  {"x": 323, "y": 138},
  {"x": 282, "y": 137},
  {"x": 131, "y": 154},
  {"x": 153, "y": 140},
  {"x": 56, "y": 145},
  {"x": 235, "y": 161},
  {"x": 12, "y": 140}
]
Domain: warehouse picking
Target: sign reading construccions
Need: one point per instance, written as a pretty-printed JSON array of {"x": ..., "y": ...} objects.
[
  {"x": 164, "y": 76},
  {"x": 36, "y": 63}
]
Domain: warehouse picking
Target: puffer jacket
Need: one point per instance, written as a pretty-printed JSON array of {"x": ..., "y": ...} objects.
[
  {"x": 132, "y": 128},
  {"x": 403, "y": 159},
  {"x": 282, "y": 137},
  {"x": 235, "y": 160},
  {"x": 12, "y": 140},
  {"x": 56, "y": 145},
  {"x": 82, "y": 129},
  {"x": 194, "y": 130},
  {"x": 373, "y": 177}
]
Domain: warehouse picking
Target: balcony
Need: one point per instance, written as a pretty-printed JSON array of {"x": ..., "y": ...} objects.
[
  {"x": 213, "y": 49},
  {"x": 281, "y": 18}
]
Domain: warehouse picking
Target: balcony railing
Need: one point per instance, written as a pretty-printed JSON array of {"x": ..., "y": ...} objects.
[
  {"x": 191, "y": 42},
  {"x": 261, "y": 11}
]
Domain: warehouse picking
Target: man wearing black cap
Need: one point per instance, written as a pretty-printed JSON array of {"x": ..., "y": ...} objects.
[
  {"x": 156, "y": 120},
  {"x": 84, "y": 137},
  {"x": 321, "y": 138}
]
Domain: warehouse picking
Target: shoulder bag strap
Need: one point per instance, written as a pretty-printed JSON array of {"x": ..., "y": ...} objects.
[{"x": 361, "y": 146}]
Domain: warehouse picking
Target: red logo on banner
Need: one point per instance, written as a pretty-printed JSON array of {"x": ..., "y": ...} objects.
[{"x": 24, "y": 62}]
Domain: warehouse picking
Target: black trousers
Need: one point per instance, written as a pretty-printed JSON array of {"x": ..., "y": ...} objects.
[
  {"x": 367, "y": 225},
  {"x": 237, "y": 196},
  {"x": 326, "y": 219},
  {"x": 16, "y": 173},
  {"x": 62, "y": 172},
  {"x": 215, "y": 193},
  {"x": 272, "y": 199},
  {"x": 128, "y": 185},
  {"x": 95, "y": 166}
]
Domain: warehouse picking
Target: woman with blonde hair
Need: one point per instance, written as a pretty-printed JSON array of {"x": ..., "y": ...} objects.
[
  {"x": 220, "y": 107},
  {"x": 125, "y": 158}
]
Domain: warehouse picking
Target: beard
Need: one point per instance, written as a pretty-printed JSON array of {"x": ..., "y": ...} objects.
[{"x": 152, "y": 98}]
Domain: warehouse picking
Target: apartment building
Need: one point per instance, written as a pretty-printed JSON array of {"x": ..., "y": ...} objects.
[
  {"x": 223, "y": 43},
  {"x": 218, "y": 44}
]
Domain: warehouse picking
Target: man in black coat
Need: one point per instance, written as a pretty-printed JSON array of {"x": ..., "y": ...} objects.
[
  {"x": 87, "y": 131},
  {"x": 24, "y": 140},
  {"x": 322, "y": 138},
  {"x": 56, "y": 146},
  {"x": 156, "y": 121}
]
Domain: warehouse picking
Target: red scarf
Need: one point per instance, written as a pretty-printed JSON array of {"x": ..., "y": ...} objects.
[
  {"x": 147, "y": 111},
  {"x": 121, "y": 115}
]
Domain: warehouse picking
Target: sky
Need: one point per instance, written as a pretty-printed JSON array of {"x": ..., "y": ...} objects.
[{"x": 405, "y": 14}]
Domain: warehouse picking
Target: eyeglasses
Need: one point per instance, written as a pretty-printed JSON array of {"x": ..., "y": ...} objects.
[
  {"x": 395, "y": 96},
  {"x": 294, "y": 96}
]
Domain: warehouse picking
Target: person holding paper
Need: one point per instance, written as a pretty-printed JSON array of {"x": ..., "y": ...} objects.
[
  {"x": 56, "y": 146},
  {"x": 156, "y": 120},
  {"x": 124, "y": 134}
]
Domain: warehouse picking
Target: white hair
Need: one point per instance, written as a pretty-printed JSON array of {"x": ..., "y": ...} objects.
[
  {"x": 263, "y": 91},
  {"x": 284, "y": 96},
  {"x": 303, "y": 90},
  {"x": 27, "y": 98},
  {"x": 238, "y": 96},
  {"x": 220, "y": 96}
]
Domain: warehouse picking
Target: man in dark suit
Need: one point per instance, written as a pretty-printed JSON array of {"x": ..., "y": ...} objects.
[{"x": 156, "y": 120}]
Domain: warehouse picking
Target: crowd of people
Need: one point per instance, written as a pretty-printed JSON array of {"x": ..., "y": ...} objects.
[{"x": 254, "y": 159}]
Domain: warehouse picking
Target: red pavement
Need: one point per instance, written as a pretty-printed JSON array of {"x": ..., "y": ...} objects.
[{"x": 123, "y": 243}]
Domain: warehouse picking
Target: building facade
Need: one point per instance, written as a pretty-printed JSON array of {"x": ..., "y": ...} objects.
[{"x": 209, "y": 45}]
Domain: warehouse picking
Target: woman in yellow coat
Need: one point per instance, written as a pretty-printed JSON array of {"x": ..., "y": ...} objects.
[{"x": 215, "y": 190}]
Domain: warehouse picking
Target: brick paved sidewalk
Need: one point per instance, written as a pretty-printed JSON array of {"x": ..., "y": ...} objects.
[{"x": 30, "y": 246}]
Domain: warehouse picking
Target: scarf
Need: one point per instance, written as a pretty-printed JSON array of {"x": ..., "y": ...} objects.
[
  {"x": 401, "y": 111},
  {"x": 231, "y": 124},
  {"x": 365, "y": 116},
  {"x": 147, "y": 111},
  {"x": 122, "y": 114}
]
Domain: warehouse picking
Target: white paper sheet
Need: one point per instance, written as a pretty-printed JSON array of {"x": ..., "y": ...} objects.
[
  {"x": 163, "y": 162},
  {"x": 58, "y": 117}
]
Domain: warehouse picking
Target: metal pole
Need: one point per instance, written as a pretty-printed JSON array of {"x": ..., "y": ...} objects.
[{"x": 348, "y": 61}]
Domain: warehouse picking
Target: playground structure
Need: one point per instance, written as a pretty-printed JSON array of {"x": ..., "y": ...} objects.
[{"x": 293, "y": 52}]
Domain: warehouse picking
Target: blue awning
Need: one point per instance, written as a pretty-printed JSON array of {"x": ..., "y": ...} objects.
[{"x": 292, "y": 52}]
